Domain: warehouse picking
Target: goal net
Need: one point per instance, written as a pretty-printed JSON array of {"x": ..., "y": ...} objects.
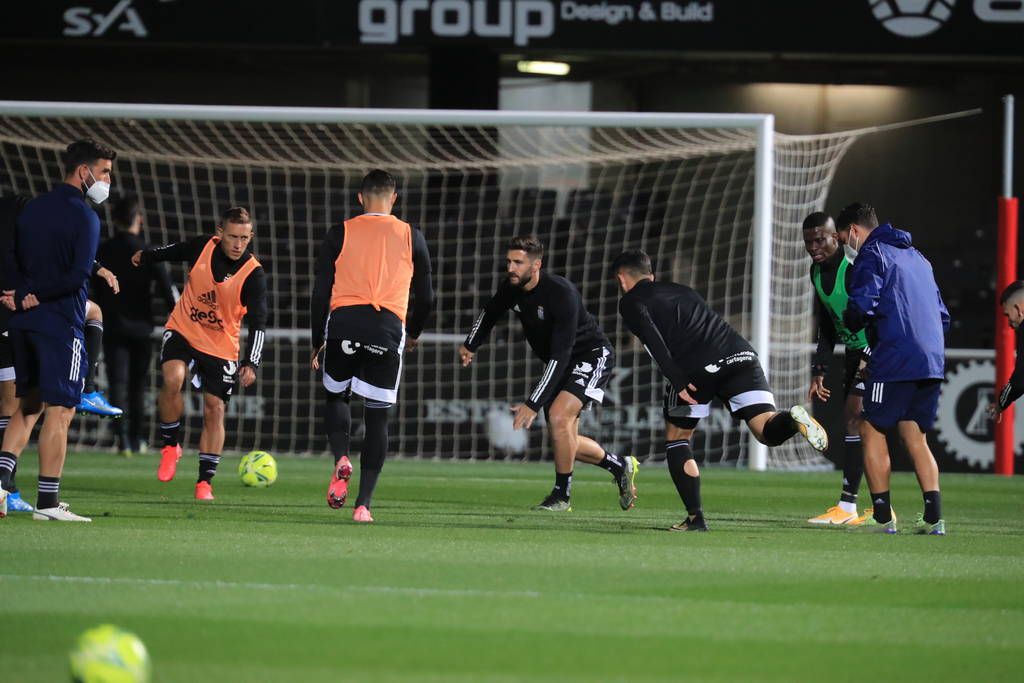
[{"x": 683, "y": 192}]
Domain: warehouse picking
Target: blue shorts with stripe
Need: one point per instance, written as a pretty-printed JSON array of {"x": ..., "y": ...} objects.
[
  {"x": 888, "y": 403},
  {"x": 53, "y": 364}
]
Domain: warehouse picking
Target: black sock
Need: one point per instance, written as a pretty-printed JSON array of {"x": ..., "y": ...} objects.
[
  {"x": 49, "y": 492},
  {"x": 612, "y": 463},
  {"x": 207, "y": 466},
  {"x": 338, "y": 420},
  {"x": 853, "y": 469},
  {"x": 93, "y": 344},
  {"x": 932, "y": 506},
  {"x": 563, "y": 485},
  {"x": 375, "y": 448},
  {"x": 169, "y": 432},
  {"x": 779, "y": 429},
  {"x": 883, "y": 507},
  {"x": 8, "y": 462},
  {"x": 677, "y": 453},
  {"x": 11, "y": 487}
]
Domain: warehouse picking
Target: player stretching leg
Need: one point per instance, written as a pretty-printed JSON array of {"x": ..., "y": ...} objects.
[
  {"x": 830, "y": 277},
  {"x": 702, "y": 357},
  {"x": 894, "y": 295},
  {"x": 225, "y": 283},
  {"x": 578, "y": 364},
  {"x": 364, "y": 272}
]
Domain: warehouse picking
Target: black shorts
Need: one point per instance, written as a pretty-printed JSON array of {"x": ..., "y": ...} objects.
[
  {"x": 853, "y": 379},
  {"x": 372, "y": 371},
  {"x": 743, "y": 389},
  {"x": 215, "y": 376},
  {"x": 6, "y": 358},
  {"x": 588, "y": 376}
]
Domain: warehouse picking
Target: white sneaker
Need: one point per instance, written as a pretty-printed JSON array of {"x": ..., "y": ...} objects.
[
  {"x": 3, "y": 503},
  {"x": 61, "y": 513}
]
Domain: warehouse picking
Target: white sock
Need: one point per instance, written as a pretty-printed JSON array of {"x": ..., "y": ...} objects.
[{"x": 848, "y": 507}]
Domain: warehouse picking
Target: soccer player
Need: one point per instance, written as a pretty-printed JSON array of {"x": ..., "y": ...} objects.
[
  {"x": 225, "y": 284},
  {"x": 830, "y": 277},
  {"x": 127, "y": 342},
  {"x": 701, "y": 357},
  {"x": 10, "y": 208},
  {"x": 93, "y": 401},
  {"x": 894, "y": 296},
  {"x": 1012, "y": 301},
  {"x": 578, "y": 364},
  {"x": 55, "y": 247},
  {"x": 362, "y": 280}
]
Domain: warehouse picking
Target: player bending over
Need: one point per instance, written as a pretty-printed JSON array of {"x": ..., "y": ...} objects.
[
  {"x": 894, "y": 295},
  {"x": 701, "y": 357},
  {"x": 225, "y": 283},
  {"x": 578, "y": 364},
  {"x": 364, "y": 272},
  {"x": 830, "y": 277}
]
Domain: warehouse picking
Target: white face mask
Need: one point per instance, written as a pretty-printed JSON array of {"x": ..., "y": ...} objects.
[
  {"x": 98, "y": 191},
  {"x": 853, "y": 247}
]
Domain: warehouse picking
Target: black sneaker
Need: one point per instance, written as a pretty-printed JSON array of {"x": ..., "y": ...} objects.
[
  {"x": 554, "y": 503},
  {"x": 695, "y": 524}
]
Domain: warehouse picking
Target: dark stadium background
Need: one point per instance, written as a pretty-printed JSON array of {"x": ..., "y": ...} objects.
[{"x": 818, "y": 66}]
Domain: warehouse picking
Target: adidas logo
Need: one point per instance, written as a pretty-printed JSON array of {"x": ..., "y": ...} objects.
[{"x": 208, "y": 298}]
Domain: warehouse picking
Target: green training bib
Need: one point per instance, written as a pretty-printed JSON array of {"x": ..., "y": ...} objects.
[{"x": 836, "y": 302}]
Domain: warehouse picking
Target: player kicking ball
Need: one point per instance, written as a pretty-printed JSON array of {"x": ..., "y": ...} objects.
[
  {"x": 225, "y": 284},
  {"x": 578, "y": 364},
  {"x": 702, "y": 358}
]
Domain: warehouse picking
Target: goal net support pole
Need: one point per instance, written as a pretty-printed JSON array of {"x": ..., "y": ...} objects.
[
  {"x": 1006, "y": 272},
  {"x": 764, "y": 163}
]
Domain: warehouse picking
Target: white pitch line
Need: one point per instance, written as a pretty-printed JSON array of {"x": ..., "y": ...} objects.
[{"x": 244, "y": 585}]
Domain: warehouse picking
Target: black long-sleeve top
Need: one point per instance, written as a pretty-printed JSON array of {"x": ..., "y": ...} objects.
[
  {"x": 130, "y": 313},
  {"x": 680, "y": 331},
  {"x": 1014, "y": 388},
  {"x": 421, "y": 304},
  {"x": 556, "y": 324},
  {"x": 254, "y": 289}
]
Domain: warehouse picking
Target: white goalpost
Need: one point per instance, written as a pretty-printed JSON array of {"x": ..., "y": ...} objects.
[{"x": 716, "y": 199}]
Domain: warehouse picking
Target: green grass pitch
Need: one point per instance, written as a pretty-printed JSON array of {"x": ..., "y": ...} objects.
[{"x": 459, "y": 581}]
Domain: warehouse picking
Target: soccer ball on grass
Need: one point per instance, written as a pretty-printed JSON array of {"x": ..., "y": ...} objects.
[
  {"x": 107, "y": 654},
  {"x": 258, "y": 468}
]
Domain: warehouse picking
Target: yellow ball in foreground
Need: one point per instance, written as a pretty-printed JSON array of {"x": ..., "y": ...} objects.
[{"x": 108, "y": 654}]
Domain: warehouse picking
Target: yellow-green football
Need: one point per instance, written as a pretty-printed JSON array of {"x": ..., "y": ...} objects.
[
  {"x": 258, "y": 468},
  {"x": 107, "y": 654}
]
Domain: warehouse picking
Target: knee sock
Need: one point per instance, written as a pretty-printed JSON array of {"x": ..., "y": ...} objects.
[
  {"x": 207, "y": 466},
  {"x": 169, "y": 432},
  {"x": 932, "y": 506},
  {"x": 11, "y": 487},
  {"x": 375, "y": 448},
  {"x": 853, "y": 471},
  {"x": 338, "y": 420},
  {"x": 8, "y": 463},
  {"x": 883, "y": 507},
  {"x": 779, "y": 429},
  {"x": 677, "y": 453},
  {"x": 612, "y": 463},
  {"x": 49, "y": 492},
  {"x": 93, "y": 344}
]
